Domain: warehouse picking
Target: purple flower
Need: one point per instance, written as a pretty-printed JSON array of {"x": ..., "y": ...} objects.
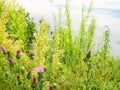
[
  {"x": 2, "y": 48},
  {"x": 18, "y": 51},
  {"x": 39, "y": 69}
]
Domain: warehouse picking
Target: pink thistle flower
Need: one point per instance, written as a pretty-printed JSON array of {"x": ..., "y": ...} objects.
[
  {"x": 18, "y": 51},
  {"x": 39, "y": 69},
  {"x": 2, "y": 48}
]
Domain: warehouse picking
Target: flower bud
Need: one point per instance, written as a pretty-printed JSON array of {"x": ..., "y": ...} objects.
[
  {"x": 18, "y": 77},
  {"x": 8, "y": 54},
  {"x": 18, "y": 56},
  {"x": 34, "y": 83},
  {"x": 88, "y": 54},
  {"x": 29, "y": 74},
  {"x": 19, "y": 81},
  {"x": 10, "y": 61},
  {"x": 50, "y": 87}
]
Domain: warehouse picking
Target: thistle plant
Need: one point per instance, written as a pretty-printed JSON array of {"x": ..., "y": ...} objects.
[
  {"x": 86, "y": 33},
  {"x": 59, "y": 59},
  {"x": 88, "y": 63},
  {"x": 18, "y": 56},
  {"x": 10, "y": 62},
  {"x": 29, "y": 75},
  {"x": 34, "y": 83}
]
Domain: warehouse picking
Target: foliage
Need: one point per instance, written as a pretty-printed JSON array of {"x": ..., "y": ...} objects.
[
  {"x": 58, "y": 60},
  {"x": 19, "y": 24}
]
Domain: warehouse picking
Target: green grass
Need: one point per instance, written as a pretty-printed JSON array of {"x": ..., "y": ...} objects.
[{"x": 70, "y": 62}]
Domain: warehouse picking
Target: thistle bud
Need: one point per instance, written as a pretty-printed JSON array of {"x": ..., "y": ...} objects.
[
  {"x": 34, "y": 83},
  {"x": 18, "y": 56},
  {"x": 8, "y": 54},
  {"x": 19, "y": 81},
  {"x": 18, "y": 77},
  {"x": 29, "y": 74},
  {"x": 3, "y": 50},
  {"x": 10, "y": 61},
  {"x": 88, "y": 54},
  {"x": 50, "y": 87}
]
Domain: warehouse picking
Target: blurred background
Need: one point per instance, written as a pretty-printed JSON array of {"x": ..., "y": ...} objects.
[{"x": 106, "y": 12}]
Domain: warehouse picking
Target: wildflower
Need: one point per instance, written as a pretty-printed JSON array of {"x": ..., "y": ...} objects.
[
  {"x": 10, "y": 61},
  {"x": 89, "y": 54},
  {"x": 18, "y": 56},
  {"x": 34, "y": 83},
  {"x": 18, "y": 78},
  {"x": 40, "y": 69},
  {"x": 2, "y": 48},
  {"x": 35, "y": 80},
  {"x": 30, "y": 71},
  {"x": 40, "y": 76},
  {"x": 29, "y": 74},
  {"x": 8, "y": 54},
  {"x": 18, "y": 51}
]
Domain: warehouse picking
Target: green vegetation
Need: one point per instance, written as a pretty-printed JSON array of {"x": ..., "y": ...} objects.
[{"x": 32, "y": 59}]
